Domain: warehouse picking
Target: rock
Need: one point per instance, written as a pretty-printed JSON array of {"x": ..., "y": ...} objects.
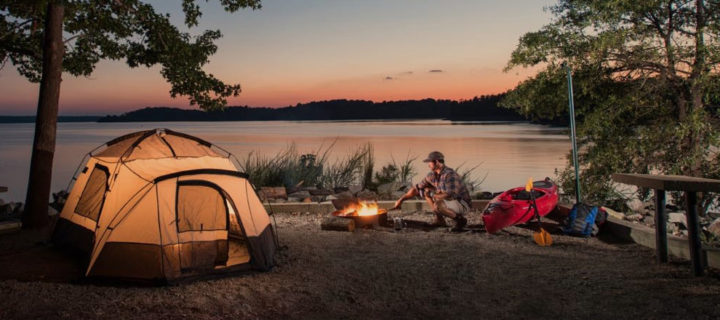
[
  {"x": 677, "y": 217},
  {"x": 713, "y": 215},
  {"x": 636, "y": 205},
  {"x": 388, "y": 188},
  {"x": 320, "y": 192},
  {"x": 299, "y": 194},
  {"x": 355, "y": 189},
  {"x": 344, "y": 195},
  {"x": 634, "y": 217},
  {"x": 317, "y": 198},
  {"x": 294, "y": 199},
  {"x": 307, "y": 200},
  {"x": 714, "y": 227},
  {"x": 331, "y": 197},
  {"x": 367, "y": 195},
  {"x": 614, "y": 214},
  {"x": 672, "y": 228},
  {"x": 273, "y": 193},
  {"x": 397, "y": 194},
  {"x": 52, "y": 211}
]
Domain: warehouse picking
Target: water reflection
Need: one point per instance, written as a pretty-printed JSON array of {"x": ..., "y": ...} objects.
[{"x": 507, "y": 152}]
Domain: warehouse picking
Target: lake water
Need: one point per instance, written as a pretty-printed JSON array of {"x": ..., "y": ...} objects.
[{"x": 507, "y": 153}]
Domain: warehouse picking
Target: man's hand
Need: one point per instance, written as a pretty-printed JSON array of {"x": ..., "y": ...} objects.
[
  {"x": 440, "y": 196},
  {"x": 398, "y": 204}
]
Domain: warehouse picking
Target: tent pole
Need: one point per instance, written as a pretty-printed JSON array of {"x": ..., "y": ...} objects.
[{"x": 572, "y": 132}]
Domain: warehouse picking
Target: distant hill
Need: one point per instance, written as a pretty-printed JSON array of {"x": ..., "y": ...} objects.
[{"x": 482, "y": 108}]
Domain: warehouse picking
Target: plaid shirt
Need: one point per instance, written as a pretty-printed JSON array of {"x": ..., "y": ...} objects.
[{"x": 448, "y": 181}]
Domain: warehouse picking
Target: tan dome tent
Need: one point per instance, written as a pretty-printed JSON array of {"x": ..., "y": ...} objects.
[{"x": 162, "y": 205}]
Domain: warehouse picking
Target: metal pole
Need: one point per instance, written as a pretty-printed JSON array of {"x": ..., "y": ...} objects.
[{"x": 572, "y": 133}]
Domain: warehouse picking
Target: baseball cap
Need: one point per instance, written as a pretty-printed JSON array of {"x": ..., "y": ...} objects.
[{"x": 435, "y": 155}]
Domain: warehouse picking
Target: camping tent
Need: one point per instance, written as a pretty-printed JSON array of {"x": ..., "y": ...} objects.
[{"x": 162, "y": 205}]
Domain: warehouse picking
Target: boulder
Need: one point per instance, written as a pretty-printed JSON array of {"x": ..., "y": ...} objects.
[
  {"x": 367, "y": 195},
  {"x": 355, "y": 189},
  {"x": 636, "y": 205},
  {"x": 294, "y": 199},
  {"x": 614, "y": 214},
  {"x": 397, "y": 194},
  {"x": 273, "y": 193},
  {"x": 299, "y": 194},
  {"x": 634, "y": 217},
  {"x": 714, "y": 227},
  {"x": 344, "y": 195},
  {"x": 677, "y": 217},
  {"x": 388, "y": 188},
  {"x": 320, "y": 192}
]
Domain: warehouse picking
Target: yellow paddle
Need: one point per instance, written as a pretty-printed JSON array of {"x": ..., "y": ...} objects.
[{"x": 541, "y": 237}]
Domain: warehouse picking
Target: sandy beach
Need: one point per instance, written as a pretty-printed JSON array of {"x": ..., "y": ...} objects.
[{"x": 380, "y": 274}]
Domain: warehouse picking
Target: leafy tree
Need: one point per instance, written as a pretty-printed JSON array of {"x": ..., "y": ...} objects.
[
  {"x": 645, "y": 81},
  {"x": 44, "y": 38}
]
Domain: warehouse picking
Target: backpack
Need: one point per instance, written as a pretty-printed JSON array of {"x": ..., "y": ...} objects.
[{"x": 582, "y": 220}]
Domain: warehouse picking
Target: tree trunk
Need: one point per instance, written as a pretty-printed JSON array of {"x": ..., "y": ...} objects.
[{"x": 38, "y": 192}]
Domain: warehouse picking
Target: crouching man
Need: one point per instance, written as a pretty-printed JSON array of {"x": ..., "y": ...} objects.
[{"x": 444, "y": 190}]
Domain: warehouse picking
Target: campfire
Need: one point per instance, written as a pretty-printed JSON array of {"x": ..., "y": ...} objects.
[
  {"x": 364, "y": 213},
  {"x": 361, "y": 208}
]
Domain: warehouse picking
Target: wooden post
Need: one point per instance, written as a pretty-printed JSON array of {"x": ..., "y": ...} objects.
[
  {"x": 696, "y": 252},
  {"x": 661, "y": 249}
]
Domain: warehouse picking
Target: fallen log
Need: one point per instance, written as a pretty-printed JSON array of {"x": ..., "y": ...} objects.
[{"x": 333, "y": 223}]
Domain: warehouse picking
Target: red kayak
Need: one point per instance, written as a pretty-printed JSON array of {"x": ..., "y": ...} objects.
[{"x": 512, "y": 207}]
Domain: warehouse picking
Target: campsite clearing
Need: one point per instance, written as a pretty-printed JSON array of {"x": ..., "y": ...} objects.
[{"x": 372, "y": 274}]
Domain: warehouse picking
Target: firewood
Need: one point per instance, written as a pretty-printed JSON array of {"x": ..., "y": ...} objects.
[{"x": 337, "y": 224}]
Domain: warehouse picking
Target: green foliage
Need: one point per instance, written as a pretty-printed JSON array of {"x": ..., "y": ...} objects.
[
  {"x": 117, "y": 30},
  {"x": 467, "y": 177},
  {"x": 394, "y": 172},
  {"x": 349, "y": 171},
  {"x": 645, "y": 86},
  {"x": 287, "y": 168}
]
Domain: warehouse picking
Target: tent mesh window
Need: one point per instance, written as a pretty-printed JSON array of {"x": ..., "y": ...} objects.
[
  {"x": 92, "y": 196},
  {"x": 200, "y": 208}
]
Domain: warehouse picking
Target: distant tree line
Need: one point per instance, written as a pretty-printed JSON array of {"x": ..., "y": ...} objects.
[{"x": 483, "y": 108}]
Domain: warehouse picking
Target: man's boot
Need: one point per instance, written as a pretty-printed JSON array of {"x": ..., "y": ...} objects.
[
  {"x": 439, "y": 221},
  {"x": 460, "y": 223}
]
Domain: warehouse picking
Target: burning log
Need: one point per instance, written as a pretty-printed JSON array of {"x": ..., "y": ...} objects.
[{"x": 333, "y": 223}]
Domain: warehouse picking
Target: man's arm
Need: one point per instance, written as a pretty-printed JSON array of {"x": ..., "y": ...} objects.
[{"x": 411, "y": 193}]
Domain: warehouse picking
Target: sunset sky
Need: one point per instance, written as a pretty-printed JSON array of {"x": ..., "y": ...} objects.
[{"x": 294, "y": 51}]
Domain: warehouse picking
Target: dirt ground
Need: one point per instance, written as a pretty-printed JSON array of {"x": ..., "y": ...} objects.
[{"x": 381, "y": 274}]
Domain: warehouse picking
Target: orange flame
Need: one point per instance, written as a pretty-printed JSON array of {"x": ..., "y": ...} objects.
[{"x": 362, "y": 209}]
